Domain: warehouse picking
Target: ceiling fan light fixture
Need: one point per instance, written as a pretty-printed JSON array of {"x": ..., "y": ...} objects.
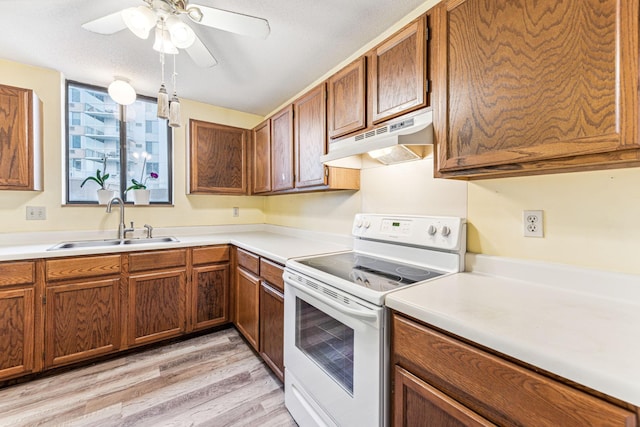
[
  {"x": 140, "y": 20},
  {"x": 182, "y": 36},
  {"x": 194, "y": 13},
  {"x": 163, "y": 42},
  {"x": 121, "y": 92}
]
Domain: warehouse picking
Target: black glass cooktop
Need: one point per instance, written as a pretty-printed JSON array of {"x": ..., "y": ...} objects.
[{"x": 374, "y": 273}]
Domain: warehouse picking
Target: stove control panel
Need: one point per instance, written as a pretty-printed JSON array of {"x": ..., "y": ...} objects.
[{"x": 446, "y": 233}]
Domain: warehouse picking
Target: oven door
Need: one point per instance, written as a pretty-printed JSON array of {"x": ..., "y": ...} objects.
[{"x": 335, "y": 371}]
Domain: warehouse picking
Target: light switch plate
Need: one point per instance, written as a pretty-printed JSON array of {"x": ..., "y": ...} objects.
[{"x": 38, "y": 213}]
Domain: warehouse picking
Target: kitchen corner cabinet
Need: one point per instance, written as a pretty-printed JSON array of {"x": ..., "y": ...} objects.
[
  {"x": 156, "y": 295},
  {"x": 209, "y": 287},
  {"x": 347, "y": 99},
  {"x": 82, "y": 308},
  {"x": 17, "y": 319},
  {"x": 20, "y": 139},
  {"x": 261, "y": 158},
  {"x": 398, "y": 75},
  {"x": 282, "y": 150},
  {"x": 438, "y": 377},
  {"x": 525, "y": 88},
  {"x": 217, "y": 158}
]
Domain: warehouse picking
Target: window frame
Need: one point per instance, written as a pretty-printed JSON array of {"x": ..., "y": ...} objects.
[{"x": 122, "y": 146}]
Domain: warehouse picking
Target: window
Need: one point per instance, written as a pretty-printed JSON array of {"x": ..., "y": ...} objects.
[{"x": 99, "y": 139}]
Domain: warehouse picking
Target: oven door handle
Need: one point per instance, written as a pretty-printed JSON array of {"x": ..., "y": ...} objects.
[{"x": 364, "y": 313}]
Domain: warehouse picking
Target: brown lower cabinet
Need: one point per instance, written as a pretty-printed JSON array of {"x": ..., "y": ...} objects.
[
  {"x": 442, "y": 381},
  {"x": 259, "y": 307},
  {"x": 17, "y": 318},
  {"x": 82, "y": 308},
  {"x": 58, "y": 311}
]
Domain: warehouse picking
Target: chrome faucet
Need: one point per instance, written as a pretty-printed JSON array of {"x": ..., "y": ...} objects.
[{"x": 122, "y": 228}]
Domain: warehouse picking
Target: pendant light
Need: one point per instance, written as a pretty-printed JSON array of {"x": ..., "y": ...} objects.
[
  {"x": 163, "y": 96},
  {"x": 174, "y": 107}
]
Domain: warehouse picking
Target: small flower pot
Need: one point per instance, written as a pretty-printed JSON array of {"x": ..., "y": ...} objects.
[
  {"x": 141, "y": 197},
  {"x": 104, "y": 196}
]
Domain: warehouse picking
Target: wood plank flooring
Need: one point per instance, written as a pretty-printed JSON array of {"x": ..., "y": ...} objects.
[{"x": 211, "y": 380}]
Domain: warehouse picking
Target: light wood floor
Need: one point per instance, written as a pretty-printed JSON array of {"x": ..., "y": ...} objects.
[{"x": 211, "y": 380}]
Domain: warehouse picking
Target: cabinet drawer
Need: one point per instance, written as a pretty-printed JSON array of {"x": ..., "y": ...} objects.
[
  {"x": 74, "y": 268},
  {"x": 249, "y": 261},
  {"x": 505, "y": 393},
  {"x": 272, "y": 273},
  {"x": 157, "y": 260},
  {"x": 17, "y": 273},
  {"x": 210, "y": 255}
]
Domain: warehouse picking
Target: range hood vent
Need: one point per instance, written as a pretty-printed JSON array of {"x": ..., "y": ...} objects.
[{"x": 400, "y": 141}]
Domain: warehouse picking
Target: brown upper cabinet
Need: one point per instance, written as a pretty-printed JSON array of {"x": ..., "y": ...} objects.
[
  {"x": 532, "y": 87},
  {"x": 217, "y": 158},
  {"x": 261, "y": 158},
  {"x": 347, "y": 99},
  {"x": 282, "y": 150},
  {"x": 398, "y": 74},
  {"x": 310, "y": 137},
  {"x": 20, "y": 140}
]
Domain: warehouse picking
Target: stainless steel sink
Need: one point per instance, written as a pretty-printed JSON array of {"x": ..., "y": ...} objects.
[
  {"x": 110, "y": 242},
  {"x": 143, "y": 240}
]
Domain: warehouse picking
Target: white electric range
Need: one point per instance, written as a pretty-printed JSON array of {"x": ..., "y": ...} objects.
[{"x": 336, "y": 325}]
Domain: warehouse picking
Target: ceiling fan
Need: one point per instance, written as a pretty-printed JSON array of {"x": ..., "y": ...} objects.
[{"x": 171, "y": 33}]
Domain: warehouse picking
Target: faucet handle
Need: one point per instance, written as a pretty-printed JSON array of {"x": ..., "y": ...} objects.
[{"x": 149, "y": 230}]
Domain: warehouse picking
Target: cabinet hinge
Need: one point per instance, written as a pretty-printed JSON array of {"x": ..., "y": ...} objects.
[
  {"x": 44, "y": 299},
  {"x": 427, "y": 85},
  {"x": 426, "y": 33},
  {"x": 326, "y": 171}
]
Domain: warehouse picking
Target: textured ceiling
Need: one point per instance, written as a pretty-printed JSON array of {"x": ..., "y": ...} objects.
[{"x": 308, "y": 38}]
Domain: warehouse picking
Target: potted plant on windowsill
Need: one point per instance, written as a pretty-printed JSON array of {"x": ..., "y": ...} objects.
[
  {"x": 140, "y": 191},
  {"x": 104, "y": 194}
]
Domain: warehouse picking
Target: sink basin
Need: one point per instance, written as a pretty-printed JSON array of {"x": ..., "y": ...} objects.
[
  {"x": 143, "y": 241},
  {"x": 110, "y": 242}
]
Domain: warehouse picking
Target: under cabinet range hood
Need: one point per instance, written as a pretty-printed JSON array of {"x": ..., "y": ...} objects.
[{"x": 400, "y": 141}]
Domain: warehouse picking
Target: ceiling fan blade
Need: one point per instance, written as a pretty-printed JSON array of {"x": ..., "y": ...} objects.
[
  {"x": 200, "y": 54},
  {"x": 234, "y": 22},
  {"x": 108, "y": 24}
]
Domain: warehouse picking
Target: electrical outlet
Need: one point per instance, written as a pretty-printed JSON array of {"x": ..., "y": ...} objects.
[
  {"x": 533, "y": 224},
  {"x": 236, "y": 211},
  {"x": 36, "y": 213}
]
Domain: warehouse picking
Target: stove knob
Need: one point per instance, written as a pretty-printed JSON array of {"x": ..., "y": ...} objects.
[
  {"x": 446, "y": 231},
  {"x": 432, "y": 230},
  {"x": 367, "y": 224},
  {"x": 359, "y": 223}
]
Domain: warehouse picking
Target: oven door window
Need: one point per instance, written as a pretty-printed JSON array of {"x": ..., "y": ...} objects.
[{"x": 326, "y": 341}]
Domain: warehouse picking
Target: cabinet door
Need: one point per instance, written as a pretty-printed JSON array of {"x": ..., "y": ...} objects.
[
  {"x": 17, "y": 330},
  {"x": 417, "y": 404},
  {"x": 272, "y": 328},
  {"x": 398, "y": 75},
  {"x": 310, "y": 113},
  {"x": 524, "y": 87},
  {"x": 282, "y": 150},
  {"x": 217, "y": 161},
  {"x": 210, "y": 297},
  {"x": 20, "y": 149},
  {"x": 247, "y": 306},
  {"x": 346, "y": 103},
  {"x": 261, "y": 158},
  {"x": 156, "y": 306},
  {"x": 82, "y": 320}
]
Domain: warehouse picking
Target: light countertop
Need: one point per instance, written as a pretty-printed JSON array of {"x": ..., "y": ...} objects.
[
  {"x": 579, "y": 324},
  {"x": 273, "y": 242}
]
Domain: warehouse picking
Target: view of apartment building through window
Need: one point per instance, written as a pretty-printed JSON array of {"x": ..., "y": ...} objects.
[{"x": 126, "y": 142}]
